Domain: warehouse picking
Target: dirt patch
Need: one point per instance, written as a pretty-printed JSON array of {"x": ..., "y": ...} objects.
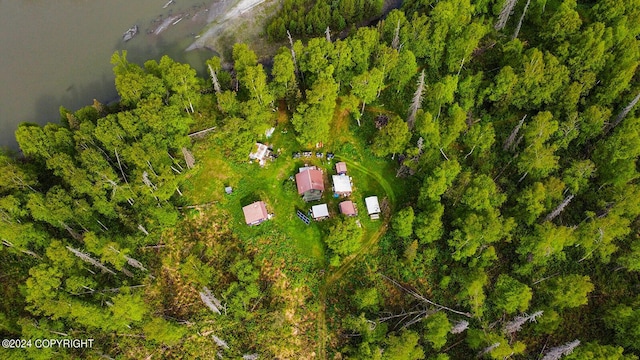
[{"x": 238, "y": 21}]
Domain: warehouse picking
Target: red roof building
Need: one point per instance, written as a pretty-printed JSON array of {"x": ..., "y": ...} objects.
[
  {"x": 341, "y": 168},
  {"x": 348, "y": 208},
  {"x": 310, "y": 184},
  {"x": 255, "y": 213}
]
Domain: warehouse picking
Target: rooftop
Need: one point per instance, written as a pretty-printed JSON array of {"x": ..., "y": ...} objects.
[
  {"x": 348, "y": 208},
  {"x": 320, "y": 211},
  {"x": 255, "y": 213},
  {"x": 341, "y": 168},
  {"x": 309, "y": 179},
  {"x": 373, "y": 206},
  {"x": 341, "y": 184}
]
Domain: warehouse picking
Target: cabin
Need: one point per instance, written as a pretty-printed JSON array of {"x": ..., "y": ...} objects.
[
  {"x": 373, "y": 207},
  {"x": 255, "y": 213},
  {"x": 341, "y": 168},
  {"x": 348, "y": 208},
  {"x": 341, "y": 185},
  {"x": 260, "y": 153},
  {"x": 320, "y": 212},
  {"x": 310, "y": 183}
]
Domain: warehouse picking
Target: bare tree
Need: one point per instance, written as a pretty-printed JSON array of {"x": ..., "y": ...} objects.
[
  {"x": 488, "y": 349},
  {"x": 516, "y": 324},
  {"x": 214, "y": 80},
  {"x": 221, "y": 343},
  {"x": 327, "y": 34},
  {"x": 559, "y": 351},
  {"x": 293, "y": 54},
  {"x": 135, "y": 263},
  {"x": 459, "y": 327},
  {"x": 147, "y": 181},
  {"x": 508, "y": 144},
  {"x": 212, "y": 303},
  {"x": 416, "y": 104},
  {"x": 395, "y": 43},
  {"x": 624, "y": 113},
  {"x": 506, "y": 11},
  {"x": 424, "y": 299},
  {"x": 90, "y": 260},
  {"x": 517, "y": 32},
  {"x": 559, "y": 208}
]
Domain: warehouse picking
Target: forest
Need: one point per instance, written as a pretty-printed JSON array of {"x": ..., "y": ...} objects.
[{"x": 503, "y": 138}]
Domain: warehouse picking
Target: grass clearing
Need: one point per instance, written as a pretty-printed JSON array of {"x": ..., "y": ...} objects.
[{"x": 275, "y": 185}]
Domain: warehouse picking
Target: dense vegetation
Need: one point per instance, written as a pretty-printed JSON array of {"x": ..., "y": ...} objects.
[
  {"x": 308, "y": 18},
  {"x": 505, "y": 137}
]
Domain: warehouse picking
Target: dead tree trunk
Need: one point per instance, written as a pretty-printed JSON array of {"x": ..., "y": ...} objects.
[
  {"x": 214, "y": 80},
  {"x": 508, "y": 144},
  {"x": 506, "y": 11},
  {"x": 86, "y": 258},
  {"x": 293, "y": 57},
  {"x": 395, "y": 43},
  {"x": 624, "y": 113},
  {"x": 559, "y": 208},
  {"x": 488, "y": 349},
  {"x": 559, "y": 351},
  {"x": 423, "y": 299},
  {"x": 327, "y": 34},
  {"x": 417, "y": 102},
  {"x": 517, "y": 32}
]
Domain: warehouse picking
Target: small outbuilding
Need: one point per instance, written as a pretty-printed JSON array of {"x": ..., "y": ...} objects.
[
  {"x": 310, "y": 183},
  {"x": 341, "y": 168},
  {"x": 373, "y": 207},
  {"x": 320, "y": 212},
  {"x": 342, "y": 185},
  {"x": 348, "y": 208},
  {"x": 255, "y": 213}
]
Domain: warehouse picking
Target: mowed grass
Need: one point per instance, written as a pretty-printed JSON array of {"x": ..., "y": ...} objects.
[{"x": 274, "y": 185}]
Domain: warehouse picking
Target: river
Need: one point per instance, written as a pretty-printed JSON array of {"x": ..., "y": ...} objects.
[{"x": 56, "y": 53}]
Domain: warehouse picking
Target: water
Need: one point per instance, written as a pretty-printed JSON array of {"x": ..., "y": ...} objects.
[{"x": 55, "y": 53}]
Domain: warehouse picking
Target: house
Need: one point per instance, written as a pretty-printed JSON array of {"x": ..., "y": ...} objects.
[
  {"x": 260, "y": 153},
  {"x": 341, "y": 185},
  {"x": 341, "y": 168},
  {"x": 320, "y": 212},
  {"x": 310, "y": 183},
  {"x": 373, "y": 207},
  {"x": 255, "y": 213},
  {"x": 348, "y": 208}
]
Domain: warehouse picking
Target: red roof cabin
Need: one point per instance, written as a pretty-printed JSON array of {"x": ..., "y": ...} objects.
[
  {"x": 348, "y": 208},
  {"x": 341, "y": 168},
  {"x": 255, "y": 213},
  {"x": 310, "y": 184}
]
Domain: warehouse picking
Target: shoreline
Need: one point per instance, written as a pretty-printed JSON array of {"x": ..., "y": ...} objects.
[{"x": 220, "y": 14}]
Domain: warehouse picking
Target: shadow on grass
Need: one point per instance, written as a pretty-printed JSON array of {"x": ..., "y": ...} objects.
[{"x": 249, "y": 199}]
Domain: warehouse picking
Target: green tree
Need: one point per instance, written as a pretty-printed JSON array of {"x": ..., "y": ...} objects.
[
  {"x": 569, "y": 291},
  {"x": 402, "y": 222},
  {"x": 344, "y": 237},
  {"x": 312, "y": 118},
  {"x": 367, "y": 85},
  {"x": 393, "y": 138},
  {"x": 403, "y": 347},
  {"x": 437, "y": 328},
  {"x": 510, "y": 295},
  {"x": 624, "y": 320}
]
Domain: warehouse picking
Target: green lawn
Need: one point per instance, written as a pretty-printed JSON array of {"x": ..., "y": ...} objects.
[{"x": 273, "y": 184}]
